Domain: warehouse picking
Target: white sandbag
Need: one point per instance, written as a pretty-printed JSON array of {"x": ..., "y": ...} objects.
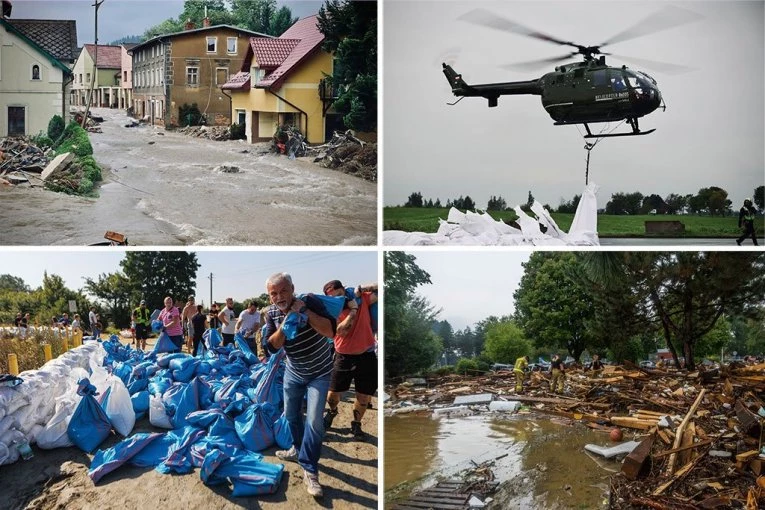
[
  {"x": 54, "y": 435},
  {"x": 2, "y": 413},
  {"x": 8, "y": 422},
  {"x": 119, "y": 407},
  {"x": 98, "y": 377},
  {"x": 11, "y": 435},
  {"x": 4, "y": 454},
  {"x": 8, "y": 454},
  {"x": 11, "y": 400},
  {"x": 32, "y": 434},
  {"x": 157, "y": 414}
]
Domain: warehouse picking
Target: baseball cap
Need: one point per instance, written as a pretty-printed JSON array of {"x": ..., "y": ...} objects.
[{"x": 143, "y": 301}]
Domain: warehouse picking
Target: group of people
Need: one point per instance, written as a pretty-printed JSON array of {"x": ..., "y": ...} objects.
[
  {"x": 325, "y": 355},
  {"x": 557, "y": 371},
  {"x": 23, "y": 321}
]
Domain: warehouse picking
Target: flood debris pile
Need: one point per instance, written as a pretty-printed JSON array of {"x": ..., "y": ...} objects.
[
  {"x": 20, "y": 157},
  {"x": 214, "y": 133},
  {"x": 695, "y": 439},
  {"x": 215, "y": 411},
  {"x": 348, "y": 154},
  {"x": 92, "y": 124}
]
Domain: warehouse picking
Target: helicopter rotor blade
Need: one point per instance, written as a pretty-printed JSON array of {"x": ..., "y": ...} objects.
[
  {"x": 666, "y": 18},
  {"x": 664, "y": 67},
  {"x": 485, "y": 18},
  {"x": 538, "y": 64}
]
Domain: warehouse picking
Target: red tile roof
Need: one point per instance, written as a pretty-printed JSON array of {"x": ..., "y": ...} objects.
[
  {"x": 310, "y": 38},
  {"x": 109, "y": 57},
  {"x": 239, "y": 81},
  {"x": 57, "y": 37},
  {"x": 270, "y": 53}
]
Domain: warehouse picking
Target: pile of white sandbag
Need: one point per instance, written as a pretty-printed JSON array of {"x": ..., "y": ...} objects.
[
  {"x": 38, "y": 410},
  {"x": 480, "y": 229}
]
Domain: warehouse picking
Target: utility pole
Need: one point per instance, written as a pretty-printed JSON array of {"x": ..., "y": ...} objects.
[
  {"x": 211, "y": 287},
  {"x": 95, "y": 68}
]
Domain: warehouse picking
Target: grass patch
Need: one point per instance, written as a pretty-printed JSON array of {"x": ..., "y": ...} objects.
[
  {"x": 29, "y": 351},
  {"x": 415, "y": 219}
]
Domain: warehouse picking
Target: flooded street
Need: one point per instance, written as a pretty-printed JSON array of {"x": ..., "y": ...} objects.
[
  {"x": 542, "y": 465},
  {"x": 160, "y": 188}
]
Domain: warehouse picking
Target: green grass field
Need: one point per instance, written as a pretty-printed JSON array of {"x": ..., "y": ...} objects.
[{"x": 414, "y": 219}]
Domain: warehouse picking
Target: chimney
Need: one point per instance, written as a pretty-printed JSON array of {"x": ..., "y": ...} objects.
[
  {"x": 189, "y": 25},
  {"x": 7, "y": 8},
  {"x": 206, "y": 22}
]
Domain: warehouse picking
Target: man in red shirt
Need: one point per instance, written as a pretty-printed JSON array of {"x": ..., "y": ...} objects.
[{"x": 355, "y": 357}]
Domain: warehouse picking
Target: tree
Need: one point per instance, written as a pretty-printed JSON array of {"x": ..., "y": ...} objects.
[
  {"x": 468, "y": 204},
  {"x": 444, "y": 330},
  {"x": 653, "y": 203},
  {"x": 552, "y": 304},
  {"x": 624, "y": 203},
  {"x": 116, "y": 290},
  {"x": 675, "y": 203},
  {"x": 437, "y": 203},
  {"x": 410, "y": 343},
  {"x": 350, "y": 30},
  {"x": 54, "y": 296},
  {"x": 505, "y": 342},
  {"x": 570, "y": 206},
  {"x": 759, "y": 197},
  {"x": 262, "y": 16},
  {"x": 12, "y": 283},
  {"x": 496, "y": 204},
  {"x": 281, "y": 20},
  {"x": 530, "y": 200},
  {"x": 156, "y": 274},
  {"x": 464, "y": 339},
  {"x": 414, "y": 200},
  {"x": 683, "y": 294}
]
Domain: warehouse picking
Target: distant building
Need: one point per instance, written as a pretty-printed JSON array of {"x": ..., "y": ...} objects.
[
  {"x": 125, "y": 99},
  {"x": 106, "y": 74},
  {"x": 34, "y": 80},
  {"x": 282, "y": 82},
  {"x": 186, "y": 68}
]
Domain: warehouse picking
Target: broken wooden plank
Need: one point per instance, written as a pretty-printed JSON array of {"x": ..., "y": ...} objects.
[
  {"x": 59, "y": 163},
  {"x": 680, "y": 429},
  {"x": 633, "y": 423},
  {"x": 635, "y": 461},
  {"x": 681, "y": 448}
]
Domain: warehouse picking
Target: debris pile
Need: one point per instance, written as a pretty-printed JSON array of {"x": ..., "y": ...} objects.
[
  {"x": 696, "y": 437},
  {"x": 93, "y": 121},
  {"x": 215, "y": 133},
  {"x": 20, "y": 157},
  {"x": 348, "y": 154}
]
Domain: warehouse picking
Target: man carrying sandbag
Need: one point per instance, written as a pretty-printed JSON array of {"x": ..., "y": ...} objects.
[{"x": 301, "y": 328}]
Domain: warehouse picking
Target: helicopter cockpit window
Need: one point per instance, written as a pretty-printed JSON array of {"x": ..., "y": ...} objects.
[
  {"x": 617, "y": 83},
  {"x": 599, "y": 78},
  {"x": 648, "y": 76}
]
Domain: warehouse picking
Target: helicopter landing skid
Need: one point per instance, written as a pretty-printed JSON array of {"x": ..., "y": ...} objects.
[{"x": 635, "y": 131}]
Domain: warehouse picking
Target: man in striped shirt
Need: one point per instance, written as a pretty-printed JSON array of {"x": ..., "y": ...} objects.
[{"x": 309, "y": 368}]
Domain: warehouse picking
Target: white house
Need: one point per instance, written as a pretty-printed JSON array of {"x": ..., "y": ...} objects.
[{"x": 33, "y": 84}]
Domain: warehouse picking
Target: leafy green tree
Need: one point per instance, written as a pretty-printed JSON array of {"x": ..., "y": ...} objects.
[
  {"x": 653, "y": 202},
  {"x": 552, "y": 304},
  {"x": 414, "y": 200},
  {"x": 624, "y": 203},
  {"x": 54, "y": 296},
  {"x": 445, "y": 331},
  {"x": 715, "y": 339},
  {"x": 157, "y": 274},
  {"x": 505, "y": 342},
  {"x": 570, "y": 206},
  {"x": 759, "y": 197},
  {"x": 683, "y": 294},
  {"x": 675, "y": 203},
  {"x": 116, "y": 291},
  {"x": 466, "y": 366},
  {"x": 12, "y": 283},
  {"x": 350, "y": 30},
  {"x": 465, "y": 342}
]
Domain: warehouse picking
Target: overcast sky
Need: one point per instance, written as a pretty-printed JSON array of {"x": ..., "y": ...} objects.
[
  {"x": 121, "y": 18},
  {"x": 710, "y": 135},
  {"x": 237, "y": 274},
  {"x": 471, "y": 285}
]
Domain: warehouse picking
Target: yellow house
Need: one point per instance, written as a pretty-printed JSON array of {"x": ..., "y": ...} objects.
[{"x": 280, "y": 83}]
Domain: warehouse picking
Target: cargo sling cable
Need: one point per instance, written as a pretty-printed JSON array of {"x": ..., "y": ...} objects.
[{"x": 589, "y": 146}]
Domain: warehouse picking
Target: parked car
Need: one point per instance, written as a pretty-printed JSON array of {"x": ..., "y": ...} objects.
[
  {"x": 647, "y": 364},
  {"x": 498, "y": 367}
]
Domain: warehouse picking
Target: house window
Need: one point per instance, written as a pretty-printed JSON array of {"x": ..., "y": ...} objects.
[
  {"x": 192, "y": 76},
  {"x": 124, "y": 76},
  {"x": 221, "y": 75},
  {"x": 212, "y": 45},
  {"x": 87, "y": 77},
  {"x": 241, "y": 117},
  {"x": 257, "y": 74},
  {"x": 231, "y": 45},
  {"x": 17, "y": 121},
  {"x": 81, "y": 78}
]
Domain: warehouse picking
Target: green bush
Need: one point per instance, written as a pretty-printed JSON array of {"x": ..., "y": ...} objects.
[
  {"x": 41, "y": 140},
  {"x": 92, "y": 173},
  {"x": 189, "y": 115},
  {"x": 237, "y": 132},
  {"x": 56, "y": 126},
  {"x": 74, "y": 139},
  {"x": 442, "y": 371},
  {"x": 86, "y": 186},
  {"x": 466, "y": 367}
]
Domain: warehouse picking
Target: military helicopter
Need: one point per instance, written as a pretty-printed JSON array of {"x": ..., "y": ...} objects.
[{"x": 582, "y": 92}]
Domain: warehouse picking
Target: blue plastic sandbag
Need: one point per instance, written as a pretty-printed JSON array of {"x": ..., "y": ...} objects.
[
  {"x": 89, "y": 425},
  {"x": 164, "y": 344},
  {"x": 292, "y": 324},
  {"x": 137, "y": 385},
  {"x": 106, "y": 461},
  {"x": 180, "y": 400},
  {"x": 183, "y": 369},
  {"x": 282, "y": 432},
  {"x": 159, "y": 385},
  {"x": 333, "y": 304},
  {"x": 255, "y": 426},
  {"x": 243, "y": 346},
  {"x": 157, "y": 326},
  {"x": 249, "y": 475},
  {"x": 140, "y": 402},
  {"x": 270, "y": 386},
  {"x": 219, "y": 425},
  {"x": 212, "y": 338}
]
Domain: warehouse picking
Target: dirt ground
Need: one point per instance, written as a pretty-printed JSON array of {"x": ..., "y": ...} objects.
[{"x": 58, "y": 479}]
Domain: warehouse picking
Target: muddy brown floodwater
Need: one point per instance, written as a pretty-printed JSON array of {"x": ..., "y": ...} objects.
[
  {"x": 160, "y": 188},
  {"x": 545, "y": 467}
]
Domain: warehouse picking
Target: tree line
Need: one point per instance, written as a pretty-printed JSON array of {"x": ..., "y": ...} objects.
[
  {"x": 713, "y": 201},
  {"x": 620, "y": 305}
]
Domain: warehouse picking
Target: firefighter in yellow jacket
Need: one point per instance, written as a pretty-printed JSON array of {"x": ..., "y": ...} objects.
[
  {"x": 558, "y": 374},
  {"x": 521, "y": 364}
]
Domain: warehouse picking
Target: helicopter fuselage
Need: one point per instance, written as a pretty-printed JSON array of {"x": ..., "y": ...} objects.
[{"x": 580, "y": 93}]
